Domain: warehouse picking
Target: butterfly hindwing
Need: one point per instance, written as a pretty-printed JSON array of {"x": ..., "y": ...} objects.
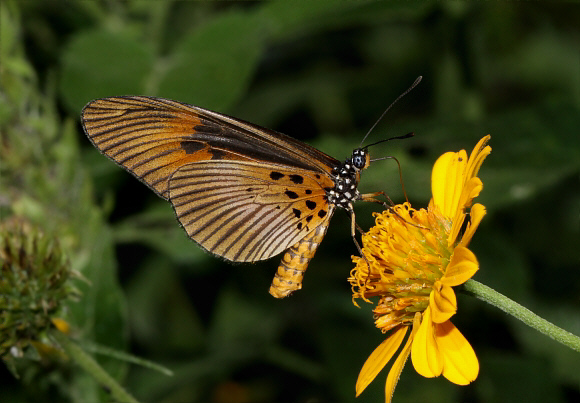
[{"x": 253, "y": 212}]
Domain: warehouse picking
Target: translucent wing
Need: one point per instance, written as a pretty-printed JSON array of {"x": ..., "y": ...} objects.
[
  {"x": 246, "y": 211},
  {"x": 153, "y": 137}
]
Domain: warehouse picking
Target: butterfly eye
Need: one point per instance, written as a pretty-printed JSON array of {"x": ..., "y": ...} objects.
[{"x": 358, "y": 159}]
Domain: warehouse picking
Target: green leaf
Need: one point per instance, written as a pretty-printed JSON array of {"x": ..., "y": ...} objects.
[
  {"x": 239, "y": 322},
  {"x": 100, "y": 314},
  {"x": 129, "y": 358},
  {"x": 101, "y": 64},
  {"x": 286, "y": 16},
  {"x": 213, "y": 66},
  {"x": 162, "y": 317},
  {"x": 158, "y": 228}
]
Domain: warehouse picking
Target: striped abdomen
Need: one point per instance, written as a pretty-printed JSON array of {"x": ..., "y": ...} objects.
[{"x": 290, "y": 273}]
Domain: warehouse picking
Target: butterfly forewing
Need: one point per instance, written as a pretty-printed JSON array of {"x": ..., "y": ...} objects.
[
  {"x": 253, "y": 212},
  {"x": 153, "y": 137},
  {"x": 144, "y": 136}
]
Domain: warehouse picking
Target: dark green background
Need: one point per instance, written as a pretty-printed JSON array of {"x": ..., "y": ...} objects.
[{"x": 321, "y": 71}]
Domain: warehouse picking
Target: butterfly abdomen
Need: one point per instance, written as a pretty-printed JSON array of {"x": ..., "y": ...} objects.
[{"x": 290, "y": 273}]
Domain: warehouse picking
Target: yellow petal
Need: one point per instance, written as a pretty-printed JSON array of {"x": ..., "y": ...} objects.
[
  {"x": 479, "y": 153},
  {"x": 447, "y": 180},
  {"x": 456, "y": 227},
  {"x": 476, "y": 215},
  {"x": 453, "y": 181},
  {"x": 461, "y": 268},
  {"x": 61, "y": 325},
  {"x": 471, "y": 190},
  {"x": 439, "y": 178},
  {"x": 442, "y": 302},
  {"x": 460, "y": 364},
  {"x": 379, "y": 358},
  {"x": 399, "y": 363},
  {"x": 424, "y": 353}
]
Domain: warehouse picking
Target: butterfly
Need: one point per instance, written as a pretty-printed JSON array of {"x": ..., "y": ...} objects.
[{"x": 241, "y": 191}]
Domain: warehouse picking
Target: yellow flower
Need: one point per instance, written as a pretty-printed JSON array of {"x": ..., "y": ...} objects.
[{"x": 413, "y": 258}]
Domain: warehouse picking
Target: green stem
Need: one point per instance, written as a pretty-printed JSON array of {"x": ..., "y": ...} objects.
[
  {"x": 502, "y": 302},
  {"x": 89, "y": 364}
]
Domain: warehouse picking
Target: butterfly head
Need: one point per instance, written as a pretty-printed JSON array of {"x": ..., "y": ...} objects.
[{"x": 360, "y": 159}]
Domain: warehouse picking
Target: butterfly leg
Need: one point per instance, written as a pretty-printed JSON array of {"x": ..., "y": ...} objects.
[
  {"x": 370, "y": 197},
  {"x": 353, "y": 227},
  {"x": 359, "y": 229}
]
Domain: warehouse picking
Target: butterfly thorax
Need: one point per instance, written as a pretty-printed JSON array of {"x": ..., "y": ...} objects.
[{"x": 346, "y": 178}]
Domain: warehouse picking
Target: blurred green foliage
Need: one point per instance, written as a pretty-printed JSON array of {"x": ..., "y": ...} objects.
[{"x": 321, "y": 71}]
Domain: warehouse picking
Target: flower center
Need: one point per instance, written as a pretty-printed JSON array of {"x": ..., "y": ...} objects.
[{"x": 405, "y": 253}]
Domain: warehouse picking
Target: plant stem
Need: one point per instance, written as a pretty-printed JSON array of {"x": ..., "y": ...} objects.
[
  {"x": 89, "y": 364},
  {"x": 502, "y": 302}
]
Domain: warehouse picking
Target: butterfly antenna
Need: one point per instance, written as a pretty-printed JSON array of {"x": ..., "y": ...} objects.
[
  {"x": 401, "y": 177},
  {"x": 400, "y": 172},
  {"x": 405, "y": 136},
  {"x": 417, "y": 81}
]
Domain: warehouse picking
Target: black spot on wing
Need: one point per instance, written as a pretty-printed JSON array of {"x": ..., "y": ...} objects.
[
  {"x": 291, "y": 194},
  {"x": 296, "y": 212},
  {"x": 191, "y": 147},
  {"x": 276, "y": 175},
  {"x": 217, "y": 154},
  {"x": 310, "y": 204},
  {"x": 321, "y": 213},
  {"x": 308, "y": 191},
  {"x": 297, "y": 179}
]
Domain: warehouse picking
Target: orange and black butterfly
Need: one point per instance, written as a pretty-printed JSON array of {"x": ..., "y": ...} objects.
[{"x": 241, "y": 191}]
